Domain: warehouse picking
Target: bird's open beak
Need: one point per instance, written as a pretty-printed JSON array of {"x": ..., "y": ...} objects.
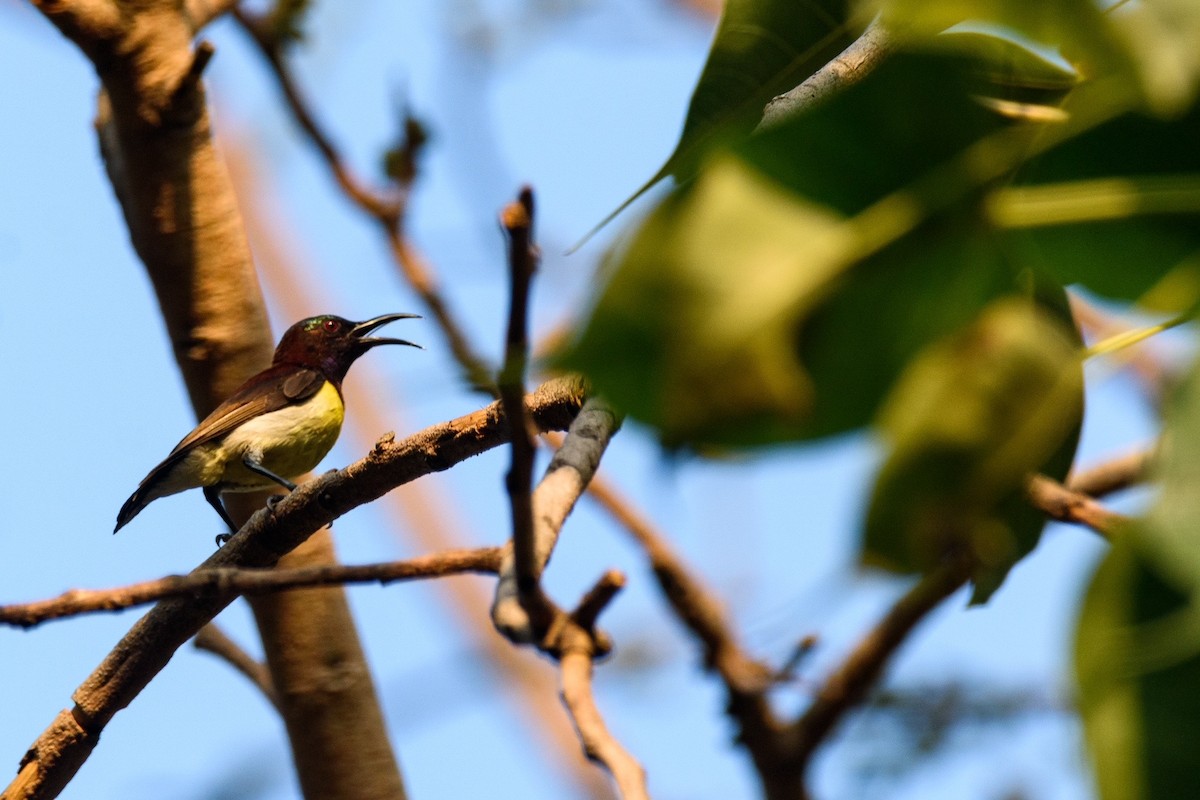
[{"x": 361, "y": 329}]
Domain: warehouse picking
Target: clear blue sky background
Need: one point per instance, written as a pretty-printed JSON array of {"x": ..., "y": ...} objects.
[{"x": 583, "y": 100}]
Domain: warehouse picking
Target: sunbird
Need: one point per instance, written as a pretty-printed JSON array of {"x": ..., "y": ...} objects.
[{"x": 276, "y": 426}]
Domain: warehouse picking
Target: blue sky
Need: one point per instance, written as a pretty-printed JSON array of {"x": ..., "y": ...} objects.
[{"x": 584, "y": 105}]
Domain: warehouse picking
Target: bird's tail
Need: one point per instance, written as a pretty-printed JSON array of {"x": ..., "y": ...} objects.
[
  {"x": 136, "y": 502},
  {"x": 151, "y": 488}
]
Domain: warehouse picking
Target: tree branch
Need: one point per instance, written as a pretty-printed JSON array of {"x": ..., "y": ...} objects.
[
  {"x": 847, "y": 69},
  {"x": 214, "y": 640},
  {"x": 577, "y": 645},
  {"x": 1064, "y": 505},
  {"x": 59, "y": 752},
  {"x": 568, "y": 475},
  {"x": 1114, "y": 475},
  {"x": 746, "y": 680},
  {"x": 517, "y": 220},
  {"x": 385, "y": 208},
  {"x": 850, "y": 682},
  {"x": 236, "y": 582}
]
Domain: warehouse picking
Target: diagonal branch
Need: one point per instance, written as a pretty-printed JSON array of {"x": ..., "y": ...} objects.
[
  {"x": 1113, "y": 475},
  {"x": 746, "y": 680},
  {"x": 213, "y": 640},
  {"x": 848, "y": 68},
  {"x": 850, "y": 682},
  {"x": 59, "y": 751},
  {"x": 1064, "y": 505}
]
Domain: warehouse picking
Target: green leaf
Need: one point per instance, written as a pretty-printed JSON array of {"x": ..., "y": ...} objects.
[
  {"x": 1148, "y": 47},
  {"x": 966, "y": 425},
  {"x": 1082, "y": 30},
  {"x": 1137, "y": 667},
  {"x": 761, "y": 49},
  {"x": 1013, "y": 75},
  {"x": 1115, "y": 208},
  {"x": 687, "y": 336},
  {"x": 1137, "y": 648},
  {"x": 1171, "y": 526},
  {"x": 765, "y": 311},
  {"x": 1161, "y": 36}
]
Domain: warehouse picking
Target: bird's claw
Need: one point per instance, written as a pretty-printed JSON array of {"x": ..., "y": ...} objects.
[
  {"x": 273, "y": 501},
  {"x": 222, "y": 538}
]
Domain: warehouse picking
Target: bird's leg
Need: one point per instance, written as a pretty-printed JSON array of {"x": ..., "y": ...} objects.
[
  {"x": 213, "y": 495},
  {"x": 254, "y": 466}
]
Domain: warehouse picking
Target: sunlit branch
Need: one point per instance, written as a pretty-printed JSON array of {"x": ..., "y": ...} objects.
[
  {"x": 58, "y": 753},
  {"x": 1064, "y": 505},
  {"x": 235, "y": 582}
]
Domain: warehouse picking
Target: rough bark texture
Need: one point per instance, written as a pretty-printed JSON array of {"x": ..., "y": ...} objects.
[
  {"x": 178, "y": 201},
  {"x": 324, "y": 687}
]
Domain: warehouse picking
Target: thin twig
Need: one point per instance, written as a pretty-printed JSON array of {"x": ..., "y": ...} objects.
[
  {"x": 517, "y": 219},
  {"x": 235, "y": 582},
  {"x": 214, "y": 640},
  {"x": 1142, "y": 361},
  {"x": 693, "y": 602},
  {"x": 849, "y": 683},
  {"x": 386, "y": 208},
  {"x": 1064, "y": 505},
  {"x": 1114, "y": 475},
  {"x": 576, "y": 643},
  {"x": 599, "y": 745},
  {"x": 383, "y": 207},
  {"x": 746, "y": 680},
  {"x": 597, "y": 599}
]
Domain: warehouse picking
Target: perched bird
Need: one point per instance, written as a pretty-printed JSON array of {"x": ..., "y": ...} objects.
[{"x": 275, "y": 426}]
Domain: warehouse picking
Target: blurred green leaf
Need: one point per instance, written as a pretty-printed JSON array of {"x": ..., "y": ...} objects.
[
  {"x": 1170, "y": 529},
  {"x": 688, "y": 334},
  {"x": 1007, "y": 71},
  {"x": 759, "y": 315},
  {"x": 967, "y": 423},
  {"x": 1137, "y": 668},
  {"x": 1115, "y": 208},
  {"x": 1161, "y": 36},
  {"x": 761, "y": 48},
  {"x": 1149, "y": 46},
  {"x": 1080, "y": 28},
  {"x": 1137, "y": 649}
]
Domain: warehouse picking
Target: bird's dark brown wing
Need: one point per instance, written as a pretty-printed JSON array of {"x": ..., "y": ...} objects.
[{"x": 269, "y": 390}]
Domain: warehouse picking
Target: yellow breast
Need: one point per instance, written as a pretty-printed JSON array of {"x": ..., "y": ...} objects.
[{"x": 288, "y": 442}]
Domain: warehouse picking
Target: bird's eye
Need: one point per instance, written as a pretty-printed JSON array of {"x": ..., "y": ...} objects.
[{"x": 331, "y": 326}]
